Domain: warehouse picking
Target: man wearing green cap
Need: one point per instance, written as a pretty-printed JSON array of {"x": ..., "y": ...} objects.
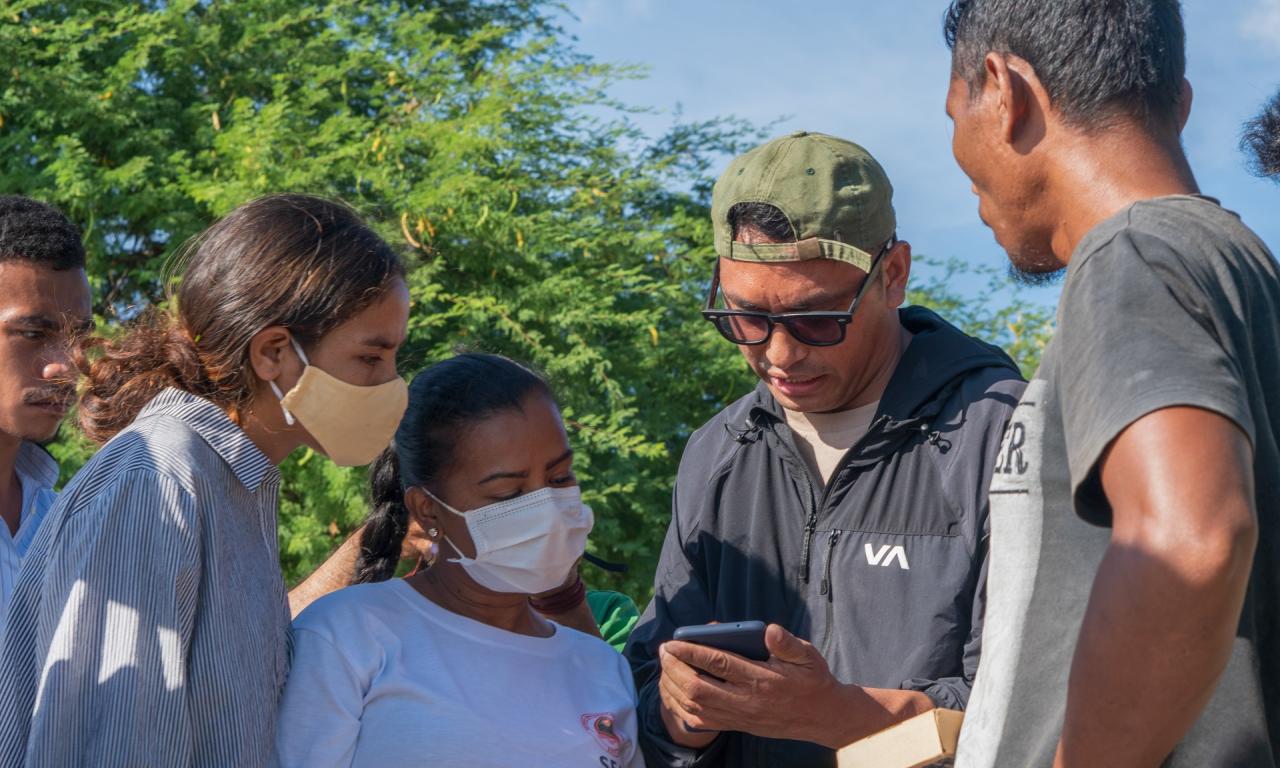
[{"x": 843, "y": 501}]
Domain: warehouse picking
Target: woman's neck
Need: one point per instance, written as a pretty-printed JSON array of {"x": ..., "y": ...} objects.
[
  {"x": 273, "y": 437},
  {"x": 448, "y": 587}
]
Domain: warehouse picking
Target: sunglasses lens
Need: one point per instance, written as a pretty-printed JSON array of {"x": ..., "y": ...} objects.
[
  {"x": 744, "y": 329},
  {"x": 814, "y": 330}
]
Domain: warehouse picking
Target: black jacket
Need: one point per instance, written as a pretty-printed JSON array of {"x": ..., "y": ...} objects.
[{"x": 883, "y": 571}]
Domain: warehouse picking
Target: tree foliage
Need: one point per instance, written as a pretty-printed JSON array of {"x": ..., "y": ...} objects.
[{"x": 540, "y": 223}]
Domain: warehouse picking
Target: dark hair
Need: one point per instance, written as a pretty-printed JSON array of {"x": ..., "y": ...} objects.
[
  {"x": 1262, "y": 140},
  {"x": 33, "y": 231},
  {"x": 1096, "y": 59},
  {"x": 302, "y": 262},
  {"x": 444, "y": 400},
  {"x": 768, "y": 219}
]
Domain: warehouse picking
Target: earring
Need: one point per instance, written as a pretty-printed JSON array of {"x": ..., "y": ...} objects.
[{"x": 433, "y": 533}]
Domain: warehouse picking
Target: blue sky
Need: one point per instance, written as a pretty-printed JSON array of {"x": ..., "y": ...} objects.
[{"x": 876, "y": 72}]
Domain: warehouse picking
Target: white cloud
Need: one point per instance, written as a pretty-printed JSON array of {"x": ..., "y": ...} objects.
[{"x": 1262, "y": 22}]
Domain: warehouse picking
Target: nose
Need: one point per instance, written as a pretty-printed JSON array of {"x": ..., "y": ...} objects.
[
  {"x": 782, "y": 351},
  {"x": 59, "y": 366},
  {"x": 57, "y": 372}
]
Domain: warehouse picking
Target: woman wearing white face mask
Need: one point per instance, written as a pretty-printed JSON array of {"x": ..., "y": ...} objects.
[
  {"x": 452, "y": 665},
  {"x": 149, "y": 624}
]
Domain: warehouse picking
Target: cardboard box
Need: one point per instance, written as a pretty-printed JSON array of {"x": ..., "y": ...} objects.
[{"x": 924, "y": 741}]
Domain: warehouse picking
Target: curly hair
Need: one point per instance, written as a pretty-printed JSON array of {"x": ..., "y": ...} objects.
[
  {"x": 1261, "y": 141},
  {"x": 34, "y": 231}
]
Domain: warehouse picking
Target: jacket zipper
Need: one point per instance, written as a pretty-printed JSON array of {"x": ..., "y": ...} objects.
[
  {"x": 877, "y": 427},
  {"x": 825, "y": 589},
  {"x": 811, "y": 525}
]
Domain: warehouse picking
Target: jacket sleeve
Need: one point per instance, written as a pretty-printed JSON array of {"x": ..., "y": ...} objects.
[
  {"x": 953, "y": 692},
  {"x": 680, "y": 597},
  {"x": 971, "y": 469}
]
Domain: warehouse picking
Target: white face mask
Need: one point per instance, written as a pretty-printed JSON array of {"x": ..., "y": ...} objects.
[
  {"x": 352, "y": 423},
  {"x": 528, "y": 544}
]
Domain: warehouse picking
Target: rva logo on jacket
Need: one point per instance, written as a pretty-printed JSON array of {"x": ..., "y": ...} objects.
[{"x": 886, "y": 555}]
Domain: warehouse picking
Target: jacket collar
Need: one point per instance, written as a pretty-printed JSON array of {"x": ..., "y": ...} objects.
[{"x": 248, "y": 463}]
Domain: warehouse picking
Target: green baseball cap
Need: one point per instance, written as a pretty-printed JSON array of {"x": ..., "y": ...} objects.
[{"x": 836, "y": 196}]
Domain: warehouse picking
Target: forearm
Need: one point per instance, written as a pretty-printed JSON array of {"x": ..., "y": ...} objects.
[
  {"x": 858, "y": 712},
  {"x": 333, "y": 574},
  {"x": 1156, "y": 635}
]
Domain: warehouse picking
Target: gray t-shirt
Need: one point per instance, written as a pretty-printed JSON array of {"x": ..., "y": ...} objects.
[{"x": 1170, "y": 302}]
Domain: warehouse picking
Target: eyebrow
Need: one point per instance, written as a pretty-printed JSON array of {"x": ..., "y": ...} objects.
[
  {"x": 381, "y": 342},
  {"x": 46, "y": 323},
  {"x": 522, "y": 475},
  {"x": 560, "y": 459},
  {"x": 823, "y": 299}
]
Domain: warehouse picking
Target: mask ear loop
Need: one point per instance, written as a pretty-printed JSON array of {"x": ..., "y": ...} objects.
[
  {"x": 288, "y": 417},
  {"x": 461, "y": 558},
  {"x": 275, "y": 388}
]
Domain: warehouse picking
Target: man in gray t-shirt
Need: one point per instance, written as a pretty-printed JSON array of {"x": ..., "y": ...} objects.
[{"x": 1134, "y": 582}]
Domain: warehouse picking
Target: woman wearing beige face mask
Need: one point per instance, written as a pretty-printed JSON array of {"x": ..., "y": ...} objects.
[{"x": 149, "y": 624}]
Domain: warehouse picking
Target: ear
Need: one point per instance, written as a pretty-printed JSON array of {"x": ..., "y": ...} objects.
[
  {"x": 272, "y": 358},
  {"x": 895, "y": 273},
  {"x": 1184, "y": 104},
  {"x": 1021, "y": 101},
  {"x": 423, "y": 510}
]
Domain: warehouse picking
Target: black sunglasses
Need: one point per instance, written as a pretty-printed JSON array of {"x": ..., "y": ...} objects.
[{"x": 817, "y": 329}]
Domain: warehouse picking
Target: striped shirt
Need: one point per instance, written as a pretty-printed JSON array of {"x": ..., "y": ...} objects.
[
  {"x": 149, "y": 626},
  {"x": 37, "y": 473}
]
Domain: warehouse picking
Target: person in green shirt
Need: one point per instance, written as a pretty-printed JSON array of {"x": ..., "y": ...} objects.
[{"x": 615, "y": 616}]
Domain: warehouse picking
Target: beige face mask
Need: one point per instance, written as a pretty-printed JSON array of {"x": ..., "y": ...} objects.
[{"x": 352, "y": 423}]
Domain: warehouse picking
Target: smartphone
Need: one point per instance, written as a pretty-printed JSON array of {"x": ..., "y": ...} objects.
[{"x": 745, "y": 638}]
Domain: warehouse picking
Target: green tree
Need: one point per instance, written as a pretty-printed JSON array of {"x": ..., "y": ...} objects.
[{"x": 540, "y": 222}]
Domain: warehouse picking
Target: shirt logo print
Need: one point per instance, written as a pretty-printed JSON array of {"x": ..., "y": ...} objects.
[
  {"x": 1011, "y": 460},
  {"x": 886, "y": 555},
  {"x": 602, "y": 727}
]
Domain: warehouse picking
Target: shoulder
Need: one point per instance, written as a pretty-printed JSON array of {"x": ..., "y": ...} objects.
[
  {"x": 709, "y": 456},
  {"x": 1167, "y": 234},
  {"x": 170, "y": 446},
  {"x": 1184, "y": 216},
  {"x": 122, "y": 489},
  {"x": 981, "y": 403},
  {"x": 971, "y": 428},
  {"x": 116, "y": 527},
  {"x": 717, "y": 432},
  {"x": 990, "y": 395},
  {"x": 593, "y": 651},
  {"x": 1188, "y": 264},
  {"x": 159, "y": 449},
  {"x": 349, "y": 609},
  {"x": 713, "y": 444}
]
